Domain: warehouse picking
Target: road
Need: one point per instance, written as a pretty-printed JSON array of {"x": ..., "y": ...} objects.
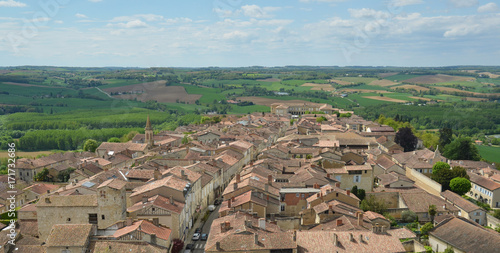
[{"x": 199, "y": 246}]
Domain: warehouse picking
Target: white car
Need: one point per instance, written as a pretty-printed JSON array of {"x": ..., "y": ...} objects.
[
  {"x": 196, "y": 236},
  {"x": 211, "y": 208}
]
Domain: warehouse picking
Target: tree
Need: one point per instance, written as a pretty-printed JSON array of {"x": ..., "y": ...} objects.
[
  {"x": 432, "y": 212},
  {"x": 185, "y": 139},
  {"x": 361, "y": 194},
  {"x": 445, "y": 137},
  {"x": 43, "y": 175},
  {"x": 449, "y": 250},
  {"x": 460, "y": 172},
  {"x": 114, "y": 139},
  {"x": 177, "y": 245},
  {"x": 408, "y": 216},
  {"x": 90, "y": 145},
  {"x": 373, "y": 204},
  {"x": 64, "y": 175},
  {"x": 129, "y": 136},
  {"x": 309, "y": 156},
  {"x": 462, "y": 148},
  {"x": 460, "y": 185},
  {"x": 321, "y": 119},
  {"x": 439, "y": 166},
  {"x": 496, "y": 214},
  {"x": 426, "y": 228},
  {"x": 443, "y": 177},
  {"x": 406, "y": 139}
]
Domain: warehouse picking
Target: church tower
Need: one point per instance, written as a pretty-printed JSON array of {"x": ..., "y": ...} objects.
[{"x": 149, "y": 133}]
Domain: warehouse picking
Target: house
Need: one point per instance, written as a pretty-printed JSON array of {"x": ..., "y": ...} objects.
[
  {"x": 36, "y": 191},
  {"x": 462, "y": 235},
  {"x": 384, "y": 164},
  {"x": 124, "y": 246},
  {"x": 468, "y": 210},
  {"x": 349, "y": 176},
  {"x": 107, "y": 149},
  {"x": 329, "y": 192},
  {"x": 484, "y": 190},
  {"x": 419, "y": 160},
  {"x": 394, "y": 180},
  {"x": 69, "y": 238},
  {"x": 142, "y": 231},
  {"x": 162, "y": 211},
  {"x": 419, "y": 202},
  {"x": 242, "y": 232},
  {"x": 252, "y": 202},
  {"x": 102, "y": 208},
  {"x": 294, "y": 200},
  {"x": 194, "y": 180}
]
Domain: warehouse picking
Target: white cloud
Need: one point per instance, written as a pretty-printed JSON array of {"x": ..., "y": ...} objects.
[
  {"x": 489, "y": 7},
  {"x": 79, "y": 15},
  {"x": 368, "y": 13},
  {"x": 11, "y": 3},
  {"x": 401, "y": 3},
  {"x": 58, "y": 21},
  {"x": 130, "y": 24},
  {"x": 172, "y": 21},
  {"x": 146, "y": 17},
  {"x": 464, "y": 3},
  {"x": 255, "y": 11}
]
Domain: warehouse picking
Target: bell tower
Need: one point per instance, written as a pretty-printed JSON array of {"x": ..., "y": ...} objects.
[{"x": 149, "y": 133}]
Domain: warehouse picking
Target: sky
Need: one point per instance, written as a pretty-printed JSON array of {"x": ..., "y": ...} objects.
[{"x": 237, "y": 33}]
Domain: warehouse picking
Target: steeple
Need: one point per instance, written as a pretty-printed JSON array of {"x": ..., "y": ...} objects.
[{"x": 148, "y": 124}]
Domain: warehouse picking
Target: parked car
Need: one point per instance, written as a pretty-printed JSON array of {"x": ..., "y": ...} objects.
[
  {"x": 204, "y": 237},
  {"x": 196, "y": 236},
  {"x": 190, "y": 246},
  {"x": 211, "y": 208},
  {"x": 198, "y": 230},
  {"x": 217, "y": 202}
]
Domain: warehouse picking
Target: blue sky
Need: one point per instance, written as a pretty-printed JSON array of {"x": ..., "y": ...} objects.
[{"x": 227, "y": 33}]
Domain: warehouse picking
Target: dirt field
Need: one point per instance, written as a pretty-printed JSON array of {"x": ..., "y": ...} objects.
[
  {"x": 155, "y": 91},
  {"x": 365, "y": 91},
  {"x": 491, "y": 75},
  {"x": 340, "y": 82},
  {"x": 426, "y": 99},
  {"x": 269, "y": 80},
  {"x": 387, "y": 99},
  {"x": 29, "y": 85},
  {"x": 269, "y": 101},
  {"x": 439, "y": 78},
  {"x": 319, "y": 86},
  {"x": 383, "y": 83},
  {"x": 5, "y": 154},
  {"x": 411, "y": 87},
  {"x": 476, "y": 99},
  {"x": 384, "y": 75}
]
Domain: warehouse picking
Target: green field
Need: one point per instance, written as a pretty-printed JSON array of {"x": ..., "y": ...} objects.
[
  {"x": 365, "y": 80},
  {"x": 490, "y": 153}
]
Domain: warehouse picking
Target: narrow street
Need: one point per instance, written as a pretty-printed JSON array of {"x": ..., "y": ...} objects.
[{"x": 199, "y": 246}]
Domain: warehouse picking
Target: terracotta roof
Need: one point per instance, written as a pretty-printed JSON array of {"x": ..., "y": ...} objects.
[
  {"x": 192, "y": 176},
  {"x": 483, "y": 181},
  {"x": 467, "y": 236},
  {"x": 373, "y": 215},
  {"x": 69, "y": 235},
  {"x": 358, "y": 167},
  {"x": 402, "y": 233},
  {"x": 28, "y": 208},
  {"x": 146, "y": 227},
  {"x": 328, "y": 188},
  {"x": 323, "y": 242},
  {"x": 240, "y": 237},
  {"x": 391, "y": 177},
  {"x": 348, "y": 223},
  {"x": 239, "y": 200},
  {"x": 419, "y": 202},
  {"x": 113, "y": 183},
  {"x": 118, "y": 147},
  {"x": 205, "y": 179},
  {"x": 68, "y": 201},
  {"x": 459, "y": 201},
  {"x": 140, "y": 174},
  {"x": 41, "y": 188},
  {"x": 385, "y": 162},
  {"x": 169, "y": 181},
  {"x": 160, "y": 202},
  {"x": 121, "y": 247},
  {"x": 28, "y": 227}
]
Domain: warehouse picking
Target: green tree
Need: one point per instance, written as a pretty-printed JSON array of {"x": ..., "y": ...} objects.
[
  {"x": 406, "y": 139},
  {"x": 426, "y": 228},
  {"x": 129, "y": 136},
  {"x": 354, "y": 190},
  {"x": 462, "y": 148},
  {"x": 42, "y": 176},
  {"x": 185, "y": 139},
  {"x": 432, "y": 212},
  {"x": 449, "y": 250},
  {"x": 64, "y": 175},
  {"x": 309, "y": 156},
  {"x": 496, "y": 213},
  {"x": 361, "y": 194},
  {"x": 373, "y": 204},
  {"x": 443, "y": 177},
  {"x": 321, "y": 119},
  {"x": 90, "y": 145},
  {"x": 114, "y": 139},
  {"x": 460, "y": 172},
  {"x": 439, "y": 166},
  {"x": 460, "y": 185},
  {"x": 408, "y": 216},
  {"x": 445, "y": 137}
]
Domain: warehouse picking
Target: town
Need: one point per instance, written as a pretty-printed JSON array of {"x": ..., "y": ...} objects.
[{"x": 306, "y": 177}]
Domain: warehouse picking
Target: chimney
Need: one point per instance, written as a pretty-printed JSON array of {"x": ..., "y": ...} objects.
[
  {"x": 266, "y": 187},
  {"x": 328, "y": 175},
  {"x": 337, "y": 184},
  {"x": 361, "y": 238},
  {"x": 335, "y": 240},
  {"x": 348, "y": 192},
  {"x": 235, "y": 186},
  {"x": 316, "y": 186},
  {"x": 262, "y": 223},
  {"x": 339, "y": 222},
  {"x": 129, "y": 221},
  {"x": 144, "y": 199},
  {"x": 172, "y": 200},
  {"x": 217, "y": 246},
  {"x": 157, "y": 174},
  {"x": 47, "y": 200},
  {"x": 238, "y": 178},
  {"x": 229, "y": 203},
  {"x": 248, "y": 223},
  {"x": 313, "y": 165},
  {"x": 183, "y": 175},
  {"x": 153, "y": 239},
  {"x": 48, "y": 191},
  {"x": 360, "y": 219},
  {"x": 256, "y": 237},
  {"x": 270, "y": 179},
  {"x": 317, "y": 195},
  {"x": 156, "y": 221},
  {"x": 295, "y": 235},
  {"x": 222, "y": 227},
  {"x": 227, "y": 225}
]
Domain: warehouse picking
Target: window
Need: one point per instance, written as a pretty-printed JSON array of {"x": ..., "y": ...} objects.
[
  {"x": 297, "y": 195},
  {"x": 303, "y": 196},
  {"x": 357, "y": 179},
  {"x": 93, "y": 218},
  {"x": 103, "y": 217},
  {"x": 68, "y": 220},
  {"x": 282, "y": 207}
]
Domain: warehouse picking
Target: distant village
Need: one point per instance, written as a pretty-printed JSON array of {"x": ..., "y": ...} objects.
[{"x": 275, "y": 182}]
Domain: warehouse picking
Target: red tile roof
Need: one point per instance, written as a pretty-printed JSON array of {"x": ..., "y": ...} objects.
[
  {"x": 69, "y": 235},
  {"x": 146, "y": 227},
  {"x": 160, "y": 202}
]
